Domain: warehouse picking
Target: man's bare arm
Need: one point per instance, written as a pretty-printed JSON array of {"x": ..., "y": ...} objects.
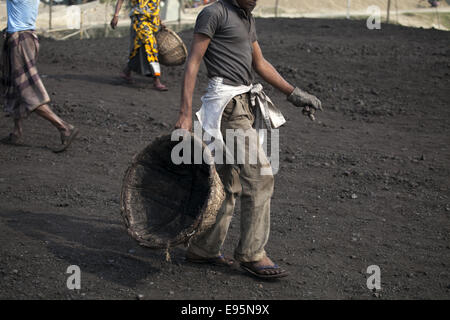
[
  {"x": 199, "y": 46},
  {"x": 265, "y": 69}
]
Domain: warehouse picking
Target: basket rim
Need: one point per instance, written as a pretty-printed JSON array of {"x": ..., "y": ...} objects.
[
  {"x": 178, "y": 38},
  {"x": 180, "y": 41},
  {"x": 184, "y": 235}
]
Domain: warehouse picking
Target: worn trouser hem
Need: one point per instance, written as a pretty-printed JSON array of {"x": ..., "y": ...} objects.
[
  {"x": 249, "y": 258},
  {"x": 200, "y": 251}
]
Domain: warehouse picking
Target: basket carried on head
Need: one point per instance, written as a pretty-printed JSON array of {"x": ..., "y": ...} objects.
[
  {"x": 165, "y": 204},
  {"x": 171, "y": 49}
]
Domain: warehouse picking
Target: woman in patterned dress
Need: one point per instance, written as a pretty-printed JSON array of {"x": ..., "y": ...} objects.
[{"x": 145, "y": 22}]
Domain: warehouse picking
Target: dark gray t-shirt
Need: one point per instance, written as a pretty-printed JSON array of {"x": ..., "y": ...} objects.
[{"x": 232, "y": 32}]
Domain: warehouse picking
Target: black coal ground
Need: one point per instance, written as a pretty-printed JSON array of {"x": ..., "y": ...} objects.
[{"x": 367, "y": 184}]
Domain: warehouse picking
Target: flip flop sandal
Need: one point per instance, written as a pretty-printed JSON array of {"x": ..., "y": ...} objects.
[
  {"x": 259, "y": 271},
  {"x": 67, "y": 140},
  {"x": 220, "y": 261},
  {"x": 13, "y": 140}
]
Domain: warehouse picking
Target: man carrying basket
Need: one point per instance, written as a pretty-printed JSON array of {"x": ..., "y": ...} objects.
[
  {"x": 143, "y": 58},
  {"x": 225, "y": 38}
]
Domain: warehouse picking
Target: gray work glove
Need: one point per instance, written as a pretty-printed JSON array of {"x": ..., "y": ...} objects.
[{"x": 308, "y": 102}]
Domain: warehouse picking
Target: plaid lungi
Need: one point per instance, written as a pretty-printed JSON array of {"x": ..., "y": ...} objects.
[{"x": 24, "y": 90}]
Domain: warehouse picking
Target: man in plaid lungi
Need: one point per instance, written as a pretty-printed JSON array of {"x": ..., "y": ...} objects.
[{"x": 24, "y": 90}]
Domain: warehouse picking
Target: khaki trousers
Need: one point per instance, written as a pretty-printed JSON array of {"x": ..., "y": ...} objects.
[{"x": 245, "y": 180}]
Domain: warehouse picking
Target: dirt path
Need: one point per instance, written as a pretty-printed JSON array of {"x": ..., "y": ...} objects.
[{"x": 365, "y": 185}]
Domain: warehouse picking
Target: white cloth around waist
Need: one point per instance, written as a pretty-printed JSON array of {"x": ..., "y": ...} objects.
[{"x": 217, "y": 97}]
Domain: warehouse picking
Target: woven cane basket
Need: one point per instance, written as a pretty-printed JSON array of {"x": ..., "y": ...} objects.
[
  {"x": 171, "y": 49},
  {"x": 164, "y": 204}
]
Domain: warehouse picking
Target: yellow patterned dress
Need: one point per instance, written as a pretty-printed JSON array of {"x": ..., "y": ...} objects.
[{"x": 145, "y": 22}]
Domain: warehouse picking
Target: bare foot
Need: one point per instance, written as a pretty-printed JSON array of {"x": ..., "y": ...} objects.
[
  {"x": 126, "y": 76},
  {"x": 17, "y": 132},
  {"x": 159, "y": 86},
  {"x": 17, "y": 128},
  {"x": 12, "y": 139},
  {"x": 66, "y": 130}
]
